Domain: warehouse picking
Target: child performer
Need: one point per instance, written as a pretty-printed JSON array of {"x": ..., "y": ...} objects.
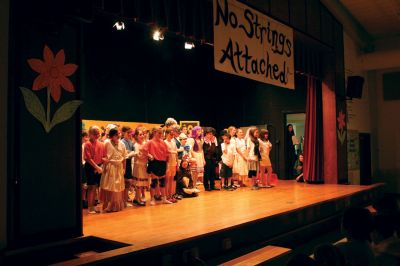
[
  {"x": 112, "y": 179},
  {"x": 210, "y": 147},
  {"x": 184, "y": 185},
  {"x": 140, "y": 176},
  {"x": 241, "y": 158},
  {"x": 228, "y": 157},
  {"x": 84, "y": 139},
  {"x": 197, "y": 154},
  {"x": 157, "y": 151},
  {"x": 254, "y": 156},
  {"x": 130, "y": 149},
  {"x": 265, "y": 164},
  {"x": 172, "y": 164},
  {"x": 93, "y": 154},
  {"x": 232, "y": 132},
  {"x": 298, "y": 168}
]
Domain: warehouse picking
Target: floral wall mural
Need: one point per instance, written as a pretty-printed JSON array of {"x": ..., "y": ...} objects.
[
  {"x": 341, "y": 119},
  {"x": 53, "y": 75}
]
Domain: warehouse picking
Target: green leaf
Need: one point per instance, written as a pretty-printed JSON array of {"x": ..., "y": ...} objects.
[
  {"x": 341, "y": 136},
  {"x": 33, "y": 105},
  {"x": 65, "y": 112}
]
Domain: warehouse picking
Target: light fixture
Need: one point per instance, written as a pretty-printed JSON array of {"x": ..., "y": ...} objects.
[
  {"x": 119, "y": 25},
  {"x": 158, "y": 35},
  {"x": 189, "y": 45}
]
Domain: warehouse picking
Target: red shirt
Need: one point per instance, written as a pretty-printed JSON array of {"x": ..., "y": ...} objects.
[
  {"x": 157, "y": 148},
  {"x": 95, "y": 151}
]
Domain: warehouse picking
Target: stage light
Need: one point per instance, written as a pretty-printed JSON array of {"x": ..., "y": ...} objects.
[
  {"x": 158, "y": 35},
  {"x": 189, "y": 45},
  {"x": 119, "y": 25}
]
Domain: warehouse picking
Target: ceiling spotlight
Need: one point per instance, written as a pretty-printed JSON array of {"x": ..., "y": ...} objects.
[
  {"x": 119, "y": 25},
  {"x": 189, "y": 45},
  {"x": 158, "y": 35}
]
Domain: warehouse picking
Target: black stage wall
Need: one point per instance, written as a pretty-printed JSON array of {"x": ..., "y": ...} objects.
[
  {"x": 43, "y": 194},
  {"x": 131, "y": 77}
]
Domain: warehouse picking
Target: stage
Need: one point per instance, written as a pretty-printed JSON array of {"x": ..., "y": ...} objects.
[{"x": 218, "y": 221}]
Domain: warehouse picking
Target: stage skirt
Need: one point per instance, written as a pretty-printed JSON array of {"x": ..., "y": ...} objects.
[
  {"x": 112, "y": 201},
  {"x": 199, "y": 157},
  {"x": 112, "y": 178},
  {"x": 141, "y": 177},
  {"x": 240, "y": 166}
]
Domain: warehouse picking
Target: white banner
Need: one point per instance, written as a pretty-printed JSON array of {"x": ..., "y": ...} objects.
[{"x": 250, "y": 44}]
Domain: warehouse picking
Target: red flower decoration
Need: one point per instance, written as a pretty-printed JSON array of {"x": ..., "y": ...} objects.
[
  {"x": 53, "y": 73},
  {"x": 341, "y": 121}
]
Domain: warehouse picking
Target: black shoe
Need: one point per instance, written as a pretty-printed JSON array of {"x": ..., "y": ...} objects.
[
  {"x": 214, "y": 188},
  {"x": 157, "y": 197},
  {"x": 207, "y": 189},
  {"x": 138, "y": 203},
  {"x": 179, "y": 197}
]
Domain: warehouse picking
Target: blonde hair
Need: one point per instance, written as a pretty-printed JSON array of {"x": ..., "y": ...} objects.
[
  {"x": 230, "y": 129},
  {"x": 92, "y": 129},
  {"x": 170, "y": 122}
]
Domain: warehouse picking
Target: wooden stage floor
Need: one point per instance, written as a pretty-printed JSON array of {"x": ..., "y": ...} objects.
[{"x": 151, "y": 226}]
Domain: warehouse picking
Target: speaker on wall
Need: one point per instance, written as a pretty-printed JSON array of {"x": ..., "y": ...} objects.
[{"x": 354, "y": 86}]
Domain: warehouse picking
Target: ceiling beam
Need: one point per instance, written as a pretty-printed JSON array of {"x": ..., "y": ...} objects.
[{"x": 380, "y": 60}]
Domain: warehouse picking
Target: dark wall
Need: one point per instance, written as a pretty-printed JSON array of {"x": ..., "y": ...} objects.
[
  {"x": 4, "y": 20},
  {"x": 307, "y": 16},
  {"x": 44, "y": 168},
  {"x": 130, "y": 77}
]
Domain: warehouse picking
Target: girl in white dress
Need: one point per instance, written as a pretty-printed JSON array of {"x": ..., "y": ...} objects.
[
  {"x": 265, "y": 164},
  {"x": 240, "y": 165},
  {"x": 232, "y": 132},
  {"x": 254, "y": 156},
  {"x": 197, "y": 154},
  {"x": 112, "y": 182}
]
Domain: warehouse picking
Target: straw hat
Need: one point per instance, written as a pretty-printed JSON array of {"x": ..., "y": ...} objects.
[{"x": 182, "y": 136}]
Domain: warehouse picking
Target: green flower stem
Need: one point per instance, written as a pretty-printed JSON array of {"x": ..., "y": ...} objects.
[{"x": 48, "y": 111}]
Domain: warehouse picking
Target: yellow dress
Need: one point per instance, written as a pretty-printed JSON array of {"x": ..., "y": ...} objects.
[
  {"x": 112, "y": 182},
  {"x": 265, "y": 148}
]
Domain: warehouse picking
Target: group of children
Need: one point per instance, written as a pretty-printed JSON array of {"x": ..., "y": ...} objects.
[{"x": 170, "y": 162}]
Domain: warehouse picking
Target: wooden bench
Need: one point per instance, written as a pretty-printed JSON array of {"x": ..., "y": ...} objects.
[{"x": 259, "y": 257}]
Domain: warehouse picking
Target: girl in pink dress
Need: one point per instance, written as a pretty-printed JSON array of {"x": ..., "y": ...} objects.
[{"x": 140, "y": 176}]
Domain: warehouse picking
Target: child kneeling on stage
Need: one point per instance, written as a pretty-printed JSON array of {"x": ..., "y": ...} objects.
[
  {"x": 184, "y": 183},
  {"x": 298, "y": 168}
]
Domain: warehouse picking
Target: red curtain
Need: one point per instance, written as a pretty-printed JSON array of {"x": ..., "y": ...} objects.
[{"x": 313, "y": 135}]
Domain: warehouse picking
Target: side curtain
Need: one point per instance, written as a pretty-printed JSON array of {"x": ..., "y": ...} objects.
[{"x": 313, "y": 136}]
